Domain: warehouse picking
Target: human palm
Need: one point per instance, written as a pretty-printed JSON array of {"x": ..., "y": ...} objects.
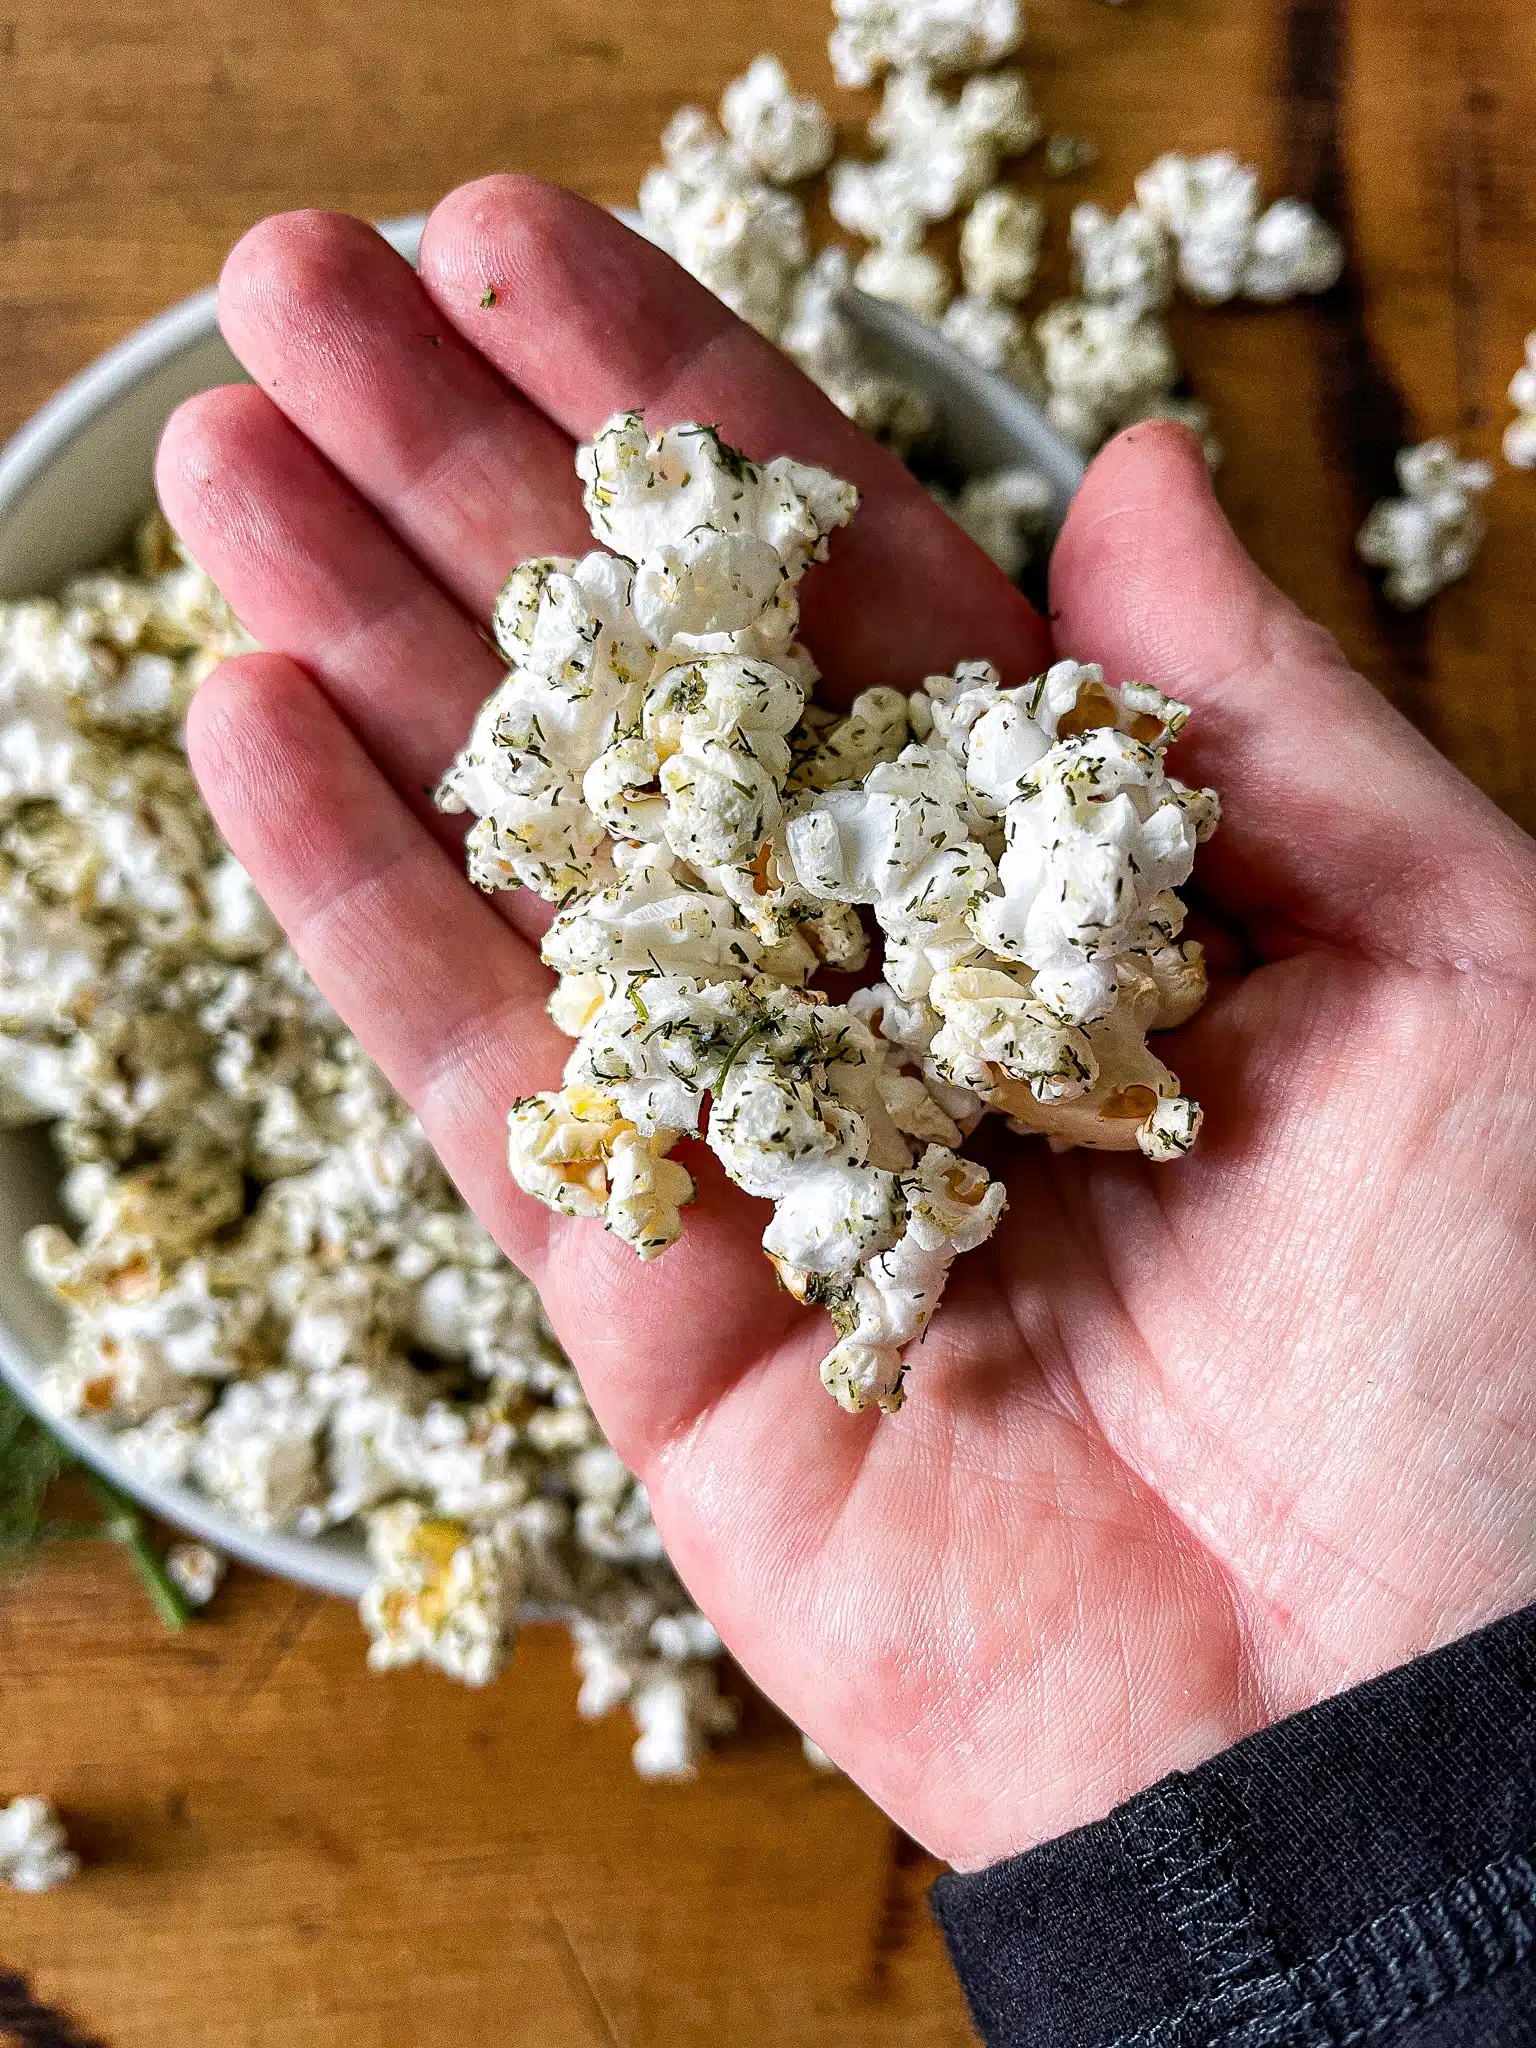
[{"x": 1187, "y": 1447}]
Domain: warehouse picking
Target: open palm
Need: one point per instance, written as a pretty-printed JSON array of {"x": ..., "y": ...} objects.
[{"x": 1186, "y": 1447}]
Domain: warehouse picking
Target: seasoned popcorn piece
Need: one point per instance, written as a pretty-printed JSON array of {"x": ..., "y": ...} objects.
[
  {"x": 1003, "y": 513},
  {"x": 822, "y": 341},
  {"x": 1000, "y": 245},
  {"x": 846, "y": 749},
  {"x": 1520, "y": 435},
  {"x": 1066, "y": 155},
  {"x": 996, "y": 336},
  {"x": 1429, "y": 537},
  {"x": 950, "y": 1207},
  {"x": 912, "y": 278},
  {"x": 1127, "y": 262},
  {"x": 260, "y": 1452},
  {"x": 741, "y": 236},
  {"x": 644, "y": 493},
  {"x": 994, "y": 1029},
  {"x": 1098, "y": 838},
  {"x": 34, "y": 1850},
  {"x": 1134, "y": 1103},
  {"x": 933, "y": 35},
  {"x": 1294, "y": 254},
  {"x": 785, "y": 135},
  {"x": 1226, "y": 248},
  {"x": 1103, "y": 363},
  {"x": 443, "y": 1594}
]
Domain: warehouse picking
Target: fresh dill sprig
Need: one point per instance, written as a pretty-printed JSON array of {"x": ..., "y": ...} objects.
[{"x": 31, "y": 1459}]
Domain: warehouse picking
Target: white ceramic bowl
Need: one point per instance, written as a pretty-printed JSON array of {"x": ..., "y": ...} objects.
[{"x": 73, "y": 485}]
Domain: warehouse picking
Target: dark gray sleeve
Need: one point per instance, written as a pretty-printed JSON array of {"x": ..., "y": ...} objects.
[{"x": 1363, "y": 1873}]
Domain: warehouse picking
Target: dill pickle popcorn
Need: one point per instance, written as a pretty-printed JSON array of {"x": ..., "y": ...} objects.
[{"x": 718, "y": 835}]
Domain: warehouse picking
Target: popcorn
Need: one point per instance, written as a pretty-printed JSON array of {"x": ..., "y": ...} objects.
[
  {"x": 442, "y": 1594},
  {"x": 996, "y": 336},
  {"x": 933, "y": 35},
  {"x": 259, "y": 1453},
  {"x": 1066, "y": 155},
  {"x": 1000, "y": 245},
  {"x": 1103, "y": 364},
  {"x": 940, "y": 154},
  {"x": 1020, "y": 850},
  {"x": 1126, "y": 262},
  {"x": 785, "y": 137},
  {"x": 1226, "y": 249},
  {"x": 1002, "y": 976},
  {"x": 1429, "y": 536},
  {"x": 196, "y": 1570},
  {"x": 913, "y": 278},
  {"x": 822, "y": 341},
  {"x": 1003, "y": 512},
  {"x": 1520, "y": 435},
  {"x": 34, "y": 1850},
  {"x": 741, "y": 236},
  {"x": 663, "y": 1669}
]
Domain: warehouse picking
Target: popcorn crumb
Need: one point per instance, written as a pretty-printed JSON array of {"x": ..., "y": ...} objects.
[{"x": 1067, "y": 155}]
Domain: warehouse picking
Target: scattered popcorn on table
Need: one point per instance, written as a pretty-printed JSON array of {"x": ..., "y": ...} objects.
[
  {"x": 1226, "y": 247},
  {"x": 1427, "y": 538},
  {"x": 197, "y": 1570},
  {"x": 1019, "y": 850},
  {"x": 34, "y": 1850},
  {"x": 786, "y": 136},
  {"x": 1520, "y": 435},
  {"x": 738, "y": 234},
  {"x": 273, "y": 1291},
  {"x": 940, "y": 36}
]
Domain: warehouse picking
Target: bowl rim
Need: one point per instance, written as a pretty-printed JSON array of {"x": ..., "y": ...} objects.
[{"x": 331, "y": 1564}]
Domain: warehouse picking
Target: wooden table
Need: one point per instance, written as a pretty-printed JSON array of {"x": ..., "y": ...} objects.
[{"x": 283, "y": 1851}]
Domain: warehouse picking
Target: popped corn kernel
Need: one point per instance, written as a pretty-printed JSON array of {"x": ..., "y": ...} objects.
[
  {"x": 1429, "y": 537},
  {"x": 34, "y": 1850}
]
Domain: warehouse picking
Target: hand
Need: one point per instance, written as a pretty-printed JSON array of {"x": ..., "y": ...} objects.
[{"x": 1187, "y": 1448}]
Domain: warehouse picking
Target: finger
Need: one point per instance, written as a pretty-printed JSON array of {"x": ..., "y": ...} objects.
[
  {"x": 1339, "y": 820},
  {"x": 450, "y": 1005},
  {"x": 335, "y": 326},
  {"x": 312, "y": 573},
  {"x": 590, "y": 318}
]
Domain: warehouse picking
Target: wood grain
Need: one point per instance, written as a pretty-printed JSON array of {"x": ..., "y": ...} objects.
[{"x": 282, "y": 1849}]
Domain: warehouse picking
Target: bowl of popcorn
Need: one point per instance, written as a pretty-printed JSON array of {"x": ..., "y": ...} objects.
[{"x": 233, "y": 1277}]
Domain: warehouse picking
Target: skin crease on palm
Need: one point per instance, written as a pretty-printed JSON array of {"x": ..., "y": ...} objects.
[{"x": 1187, "y": 1448}]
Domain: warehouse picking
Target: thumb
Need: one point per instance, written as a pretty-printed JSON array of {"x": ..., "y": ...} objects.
[{"x": 1340, "y": 822}]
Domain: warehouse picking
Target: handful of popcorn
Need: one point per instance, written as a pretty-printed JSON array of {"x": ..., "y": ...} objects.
[{"x": 655, "y": 766}]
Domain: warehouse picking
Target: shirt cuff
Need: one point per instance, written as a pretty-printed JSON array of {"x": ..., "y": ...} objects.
[{"x": 1338, "y": 1877}]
